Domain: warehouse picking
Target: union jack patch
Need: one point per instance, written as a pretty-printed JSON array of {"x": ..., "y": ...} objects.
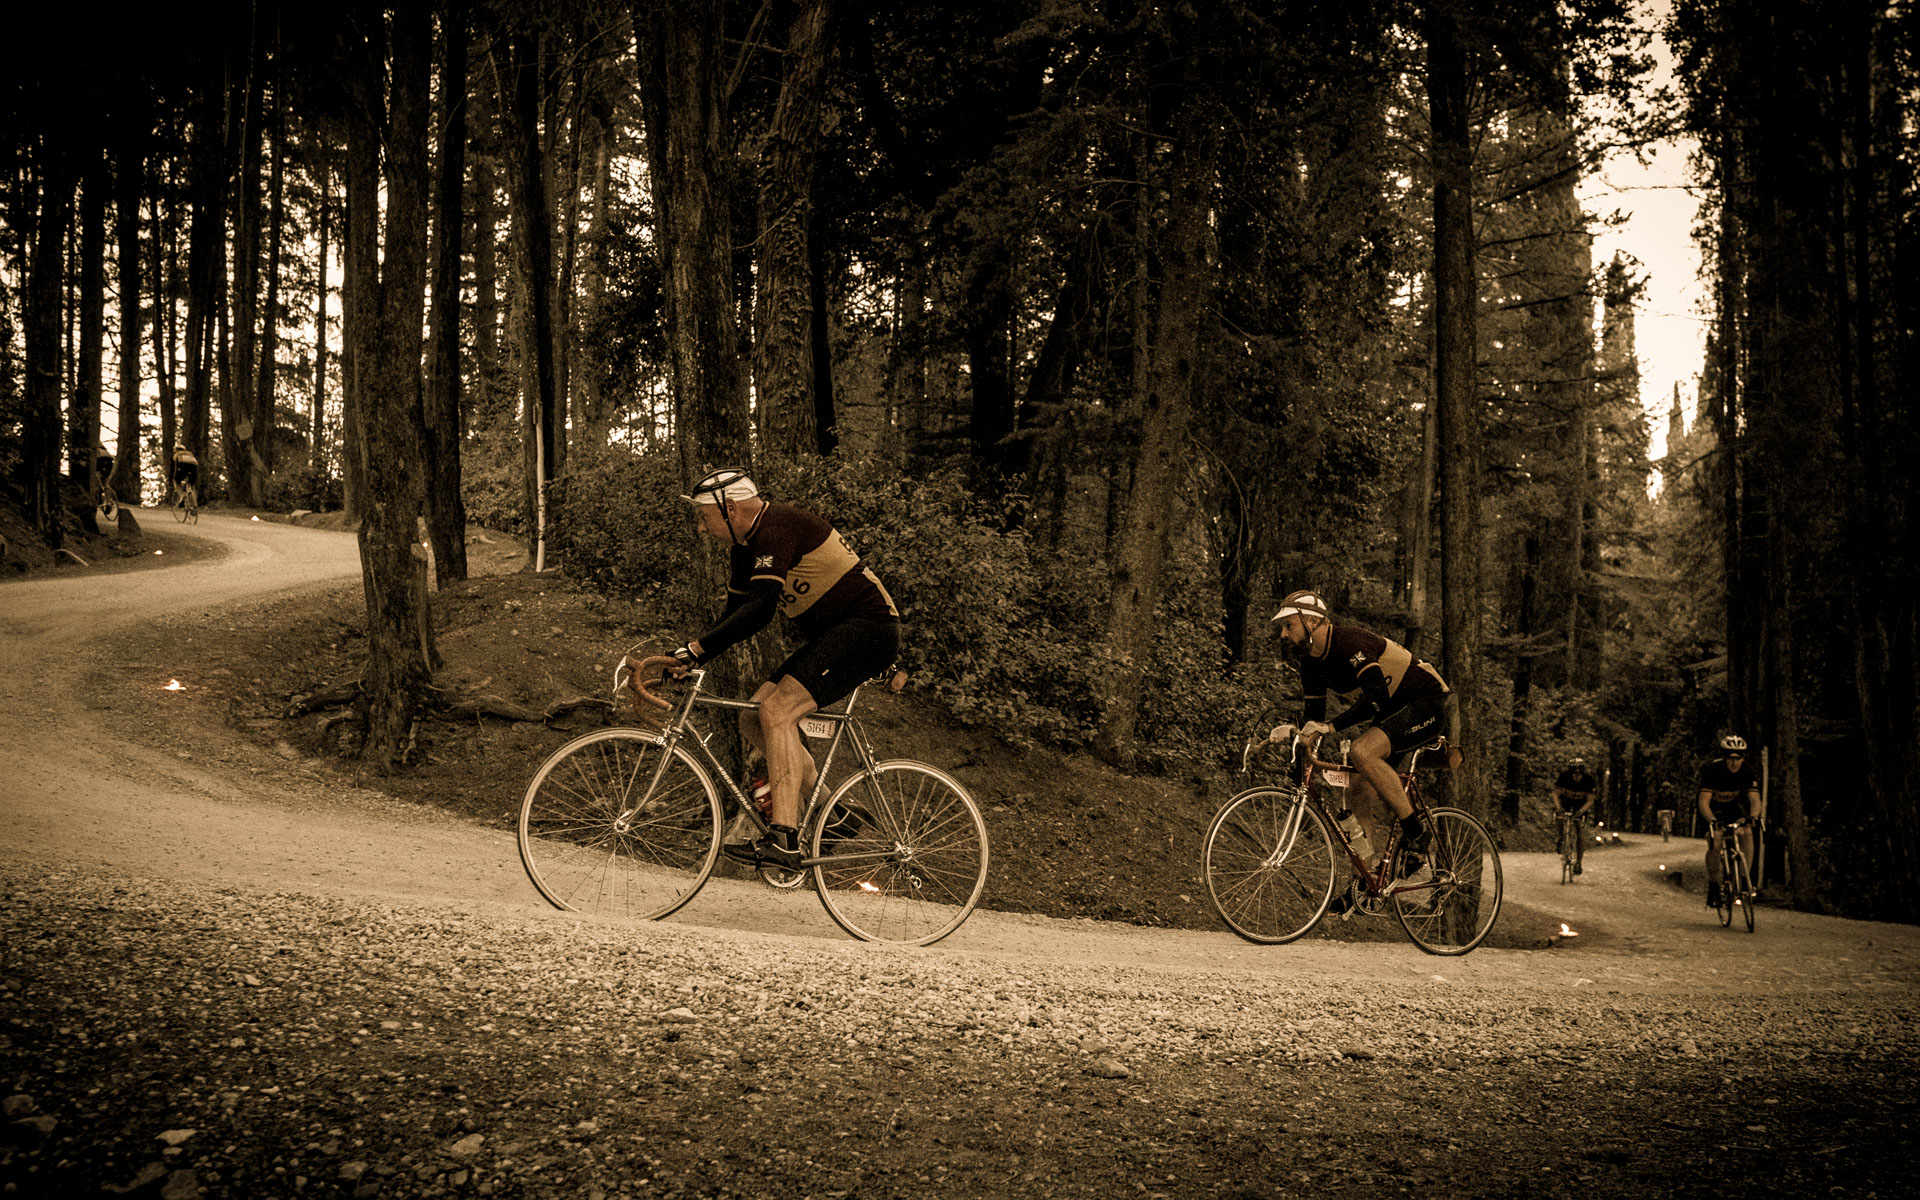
[{"x": 765, "y": 560}]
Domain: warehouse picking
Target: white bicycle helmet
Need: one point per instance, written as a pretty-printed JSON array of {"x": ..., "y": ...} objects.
[{"x": 1733, "y": 744}]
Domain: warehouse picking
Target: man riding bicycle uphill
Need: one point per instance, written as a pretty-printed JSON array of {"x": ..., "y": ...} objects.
[
  {"x": 1403, "y": 697},
  {"x": 1573, "y": 794},
  {"x": 1729, "y": 792},
  {"x": 785, "y": 558}
]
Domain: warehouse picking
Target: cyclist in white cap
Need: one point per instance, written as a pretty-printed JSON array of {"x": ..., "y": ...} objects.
[
  {"x": 787, "y": 559},
  {"x": 1403, "y": 697}
]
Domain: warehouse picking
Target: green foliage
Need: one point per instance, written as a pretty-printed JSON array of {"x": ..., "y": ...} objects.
[{"x": 492, "y": 475}]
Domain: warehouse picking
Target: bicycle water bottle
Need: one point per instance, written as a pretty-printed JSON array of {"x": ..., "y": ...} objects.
[
  {"x": 762, "y": 794},
  {"x": 1356, "y": 833}
]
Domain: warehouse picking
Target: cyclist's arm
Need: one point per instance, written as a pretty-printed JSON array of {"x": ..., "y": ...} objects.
[
  {"x": 1375, "y": 703},
  {"x": 746, "y": 614},
  {"x": 1706, "y": 805}
]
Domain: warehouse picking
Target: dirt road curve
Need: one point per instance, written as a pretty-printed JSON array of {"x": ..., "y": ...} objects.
[
  {"x": 118, "y": 801},
  {"x": 191, "y": 804}
]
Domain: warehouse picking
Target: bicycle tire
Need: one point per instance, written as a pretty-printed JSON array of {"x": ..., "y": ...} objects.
[
  {"x": 585, "y": 847},
  {"x": 1455, "y": 911},
  {"x": 925, "y": 848},
  {"x": 1746, "y": 890},
  {"x": 1269, "y": 860},
  {"x": 193, "y": 506},
  {"x": 1566, "y": 853},
  {"x": 1725, "y": 906},
  {"x": 180, "y": 507}
]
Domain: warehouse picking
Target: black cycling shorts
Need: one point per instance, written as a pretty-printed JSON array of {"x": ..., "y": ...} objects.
[
  {"x": 186, "y": 472},
  {"x": 1413, "y": 726},
  {"x": 842, "y": 657}
]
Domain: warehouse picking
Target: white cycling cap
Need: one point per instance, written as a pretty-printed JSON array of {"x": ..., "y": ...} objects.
[
  {"x": 1305, "y": 604},
  {"x": 727, "y": 483}
]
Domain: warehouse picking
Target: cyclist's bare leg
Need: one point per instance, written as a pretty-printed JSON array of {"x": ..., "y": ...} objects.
[
  {"x": 790, "y": 769},
  {"x": 1713, "y": 858},
  {"x": 1369, "y": 754},
  {"x": 1370, "y": 810}
]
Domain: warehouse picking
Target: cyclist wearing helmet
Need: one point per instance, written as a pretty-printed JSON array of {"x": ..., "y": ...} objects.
[
  {"x": 185, "y": 470},
  {"x": 785, "y": 558},
  {"x": 1729, "y": 792},
  {"x": 1403, "y": 697},
  {"x": 1573, "y": 793}
]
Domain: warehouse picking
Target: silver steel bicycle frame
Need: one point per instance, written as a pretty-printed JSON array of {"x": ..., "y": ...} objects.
[{"x": 681, "y": 728}]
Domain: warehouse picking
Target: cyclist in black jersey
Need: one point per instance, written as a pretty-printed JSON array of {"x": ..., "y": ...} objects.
[
  {"x": 1729, "y": 792},
  {"x": 1573, "y": 794},
  {"x": 1403, "y": 697},
  {"x": 786, "y": 559}
]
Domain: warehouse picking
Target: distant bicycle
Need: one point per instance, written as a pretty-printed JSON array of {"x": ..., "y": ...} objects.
[
  {"x": 108, "y": 503},
  {"x": 1569, "y": 846},
  {"x": 186, "y": 504}
]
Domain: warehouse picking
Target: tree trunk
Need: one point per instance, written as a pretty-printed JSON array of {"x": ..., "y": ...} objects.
[
  {"x": 40, "y": 468},
  {"x": 206, "y": 256},
  {"x": 784, "y": 351},
  {"x": 1784, "y": 787},
  {"x": 533, "y": 223},
  {"x": 388, "y": 281},
  {"x": 265, "y": 418},
  {"x": 84, "y": 427},
  {"x": 239, "y": 424},
  {"x": 710, "y": 393},
  {"x": 129, "y": 179},
  {"x": 486, "y": 235},
  {"x": 1456, "y": 398},
  {"x": 1171, "y": 377},
  {"x": 317, "y": 448},
  {"x": 166, "y": 274},
  {"x": 446, "y": 509}
]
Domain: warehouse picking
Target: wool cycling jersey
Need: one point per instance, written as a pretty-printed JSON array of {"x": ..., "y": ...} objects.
[
  {"x": 795, "y": 561},
  {"x": 1582, "y": 784},
  {"x": 1729, "y": 788},
  {"x": 1359, "y": 660}
]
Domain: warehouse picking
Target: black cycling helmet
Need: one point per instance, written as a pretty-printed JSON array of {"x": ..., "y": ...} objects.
[{"x": 725, "y": 483}]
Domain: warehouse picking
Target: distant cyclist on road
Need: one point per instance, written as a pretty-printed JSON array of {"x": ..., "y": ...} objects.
[
  {"x": 1729, "y": 792},
  {"x": 1573, "y": 795},
  {"x": 185, "y": 471},
  {"x": 785, "y": 558},
  {"x": 1403, "y": 697}
]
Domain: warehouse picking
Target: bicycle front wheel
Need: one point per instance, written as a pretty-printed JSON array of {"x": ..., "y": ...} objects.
[
  {"x": 180, "y": 508},
  {"x": 1269, "y": 863},
  {"x": 906, "y": 854},
  {"x": 1746, "y": 895},
  {"x": 614, "y": 825},
  {"x": 1452, "y": 911},
  {"x": 1727, "y": 881}
]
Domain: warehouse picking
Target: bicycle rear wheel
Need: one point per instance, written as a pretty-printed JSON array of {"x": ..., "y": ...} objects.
[
  {"x": 1454, "y": 910},
  {"x": 906, "y": 854},
  {"x": 1269, "y": 865},
  {"x": 605, "y": 830}
]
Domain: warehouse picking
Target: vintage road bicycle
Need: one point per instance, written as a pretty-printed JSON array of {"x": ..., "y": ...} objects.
[
  {"x": 186, "y": 504},
  {"x": 628, "y": 822},
  {"x": 1274, "y": 855},
  {"x": 1737, "y": 893}
]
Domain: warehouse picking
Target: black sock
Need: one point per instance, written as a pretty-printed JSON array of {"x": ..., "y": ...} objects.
[
  {"x": 1409, "y": 827},
  {"x": 785, "y": 836}
]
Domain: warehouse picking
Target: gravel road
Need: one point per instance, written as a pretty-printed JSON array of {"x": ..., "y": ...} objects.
[{"x": 226, "y": 971}]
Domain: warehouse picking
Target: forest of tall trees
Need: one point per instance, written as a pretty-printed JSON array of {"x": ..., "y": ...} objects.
[{"x": 1097, "y": 325}]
